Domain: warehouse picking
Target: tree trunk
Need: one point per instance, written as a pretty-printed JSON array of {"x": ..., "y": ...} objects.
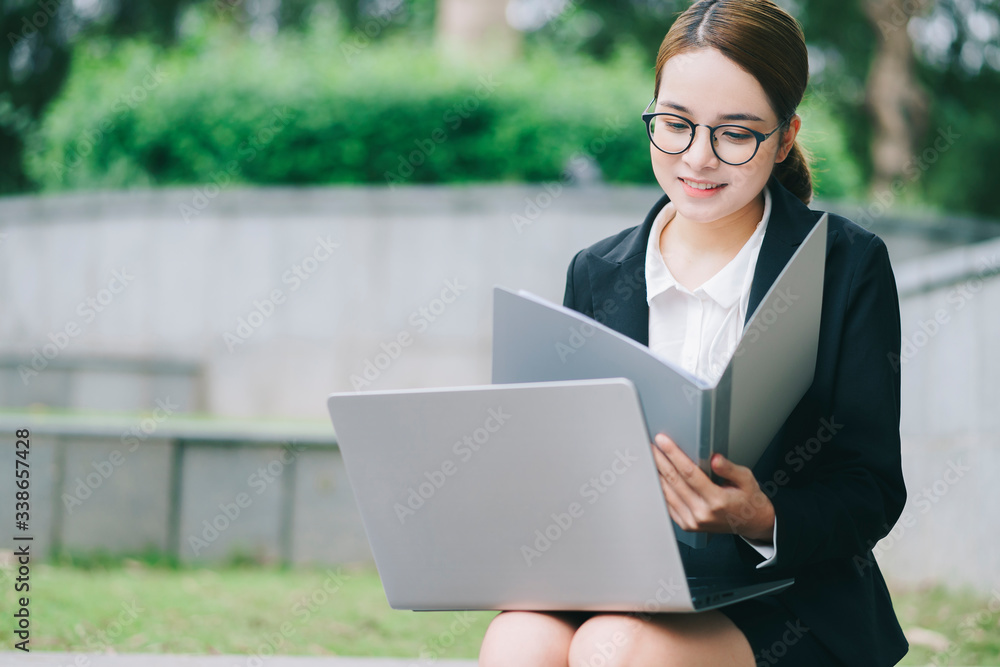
[
  {"x": 477, "y": 30},
  {"x": 897, "y": 105}
]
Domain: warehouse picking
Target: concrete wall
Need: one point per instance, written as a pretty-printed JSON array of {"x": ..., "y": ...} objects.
[
  {"x": 275, "y": 493},
  {"x": 248, "y": 291},
  {"x": 124, "y": 301},
  {"x": 234, "y": 304},
  {"x": 950, "y": 315}
]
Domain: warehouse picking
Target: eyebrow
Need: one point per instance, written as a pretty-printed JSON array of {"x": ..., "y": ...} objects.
[{"x": 728, "y": 116}]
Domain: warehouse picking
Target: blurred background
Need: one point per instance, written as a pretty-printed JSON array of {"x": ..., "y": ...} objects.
[{"x": 213, "y": 213}]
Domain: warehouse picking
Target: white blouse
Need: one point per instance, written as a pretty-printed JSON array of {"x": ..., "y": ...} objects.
[
  {"x": 681, "y": 321},
  {"x": 699, "y": 329}
]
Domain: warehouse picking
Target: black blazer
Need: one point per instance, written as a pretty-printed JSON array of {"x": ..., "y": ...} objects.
[{"x": 833, "y": 470}]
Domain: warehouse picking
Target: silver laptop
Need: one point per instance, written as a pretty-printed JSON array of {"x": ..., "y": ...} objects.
[{"x": 540, "y": 496}]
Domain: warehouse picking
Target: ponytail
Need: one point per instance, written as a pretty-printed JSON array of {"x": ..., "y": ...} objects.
[{"x": 793, "y": 172}]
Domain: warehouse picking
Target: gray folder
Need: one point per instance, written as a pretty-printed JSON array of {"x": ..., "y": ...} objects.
[{"x": 772, "y": 367}]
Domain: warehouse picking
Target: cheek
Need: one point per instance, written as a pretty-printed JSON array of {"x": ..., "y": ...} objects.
[
  {"x": 755, "y": 173},
  {"x": 663, "y": 166}
]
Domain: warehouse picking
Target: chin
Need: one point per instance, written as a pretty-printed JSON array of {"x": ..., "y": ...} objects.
[
  {"x": 700, "y": 210},
  {"x": 704, "y": 213}
]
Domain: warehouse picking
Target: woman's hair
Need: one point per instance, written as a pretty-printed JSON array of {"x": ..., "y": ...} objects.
[{"x": 763, "y": 39}]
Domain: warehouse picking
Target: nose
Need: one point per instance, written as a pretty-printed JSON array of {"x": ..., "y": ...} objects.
[{"x": 699, "y": 154}]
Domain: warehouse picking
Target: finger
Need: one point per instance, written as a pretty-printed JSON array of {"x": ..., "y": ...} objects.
[
  {"x": 668, "y": 472},
  {"x": 694, "y": 476},
  {"x": 740, "y": 476},
  {"x": 676, "y": 507},
  {"x": 691, "y": 500}
]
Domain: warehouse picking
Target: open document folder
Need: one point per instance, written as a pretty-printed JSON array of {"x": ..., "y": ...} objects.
[{"x": 738, "y": 415}]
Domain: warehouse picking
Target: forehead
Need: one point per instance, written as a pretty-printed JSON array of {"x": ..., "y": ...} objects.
[{"x": 711, "y": 85}]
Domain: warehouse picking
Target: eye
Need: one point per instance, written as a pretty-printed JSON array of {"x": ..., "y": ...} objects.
[
  {"x": 735, "y": 135},
  {"x": 673, "y": 125}
]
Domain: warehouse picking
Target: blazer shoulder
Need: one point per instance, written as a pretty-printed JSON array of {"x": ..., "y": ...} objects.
[
  {"x": 851, "y": 238},
  {"x": 626, "y": 244},
  {"x": 614, "y": 248}
]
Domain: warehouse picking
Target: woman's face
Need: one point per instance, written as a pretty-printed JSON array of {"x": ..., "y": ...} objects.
[{"x": 706, "y": 87}]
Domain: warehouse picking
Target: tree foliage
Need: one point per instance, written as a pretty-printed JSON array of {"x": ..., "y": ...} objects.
[{"x": 956, "y": 51}]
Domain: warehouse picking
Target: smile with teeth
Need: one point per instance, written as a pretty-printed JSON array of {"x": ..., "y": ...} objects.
[{"x": 702, "y": 186}]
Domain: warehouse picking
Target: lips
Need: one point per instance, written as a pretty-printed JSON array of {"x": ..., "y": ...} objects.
[{"x": 701, "y": 185}]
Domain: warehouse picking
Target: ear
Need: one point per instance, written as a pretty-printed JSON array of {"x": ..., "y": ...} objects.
[{"x": 788, "y": 138}]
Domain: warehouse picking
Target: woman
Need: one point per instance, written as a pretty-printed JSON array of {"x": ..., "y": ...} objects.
[{"x": 722, "y": 128}]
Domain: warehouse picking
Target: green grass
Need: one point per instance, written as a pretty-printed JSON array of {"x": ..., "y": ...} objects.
[
  {"x": 137, "y": 607},
  {"x": 155, "y": 605},
  {"x": 969, "y": 622}
]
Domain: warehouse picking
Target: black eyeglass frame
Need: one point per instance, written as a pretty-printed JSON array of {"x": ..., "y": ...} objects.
[{"x": 760, "y": 137}]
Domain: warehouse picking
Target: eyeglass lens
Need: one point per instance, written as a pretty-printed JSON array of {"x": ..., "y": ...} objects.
[{"x": 732, "y": 143}]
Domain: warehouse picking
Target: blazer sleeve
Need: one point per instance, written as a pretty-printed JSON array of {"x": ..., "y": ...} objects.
[{"x": 855, "y": 490}]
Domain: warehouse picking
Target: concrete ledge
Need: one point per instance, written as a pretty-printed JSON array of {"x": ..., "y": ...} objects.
[
  {"x": 307, "y": 432},
  {"x": 948, "y": 267},
  {"x": 17, "y": 658},
  {"x": 200, "y": 489}
]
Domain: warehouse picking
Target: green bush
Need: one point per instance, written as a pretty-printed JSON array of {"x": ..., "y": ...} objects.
[
  {"x": 834, "y": 173},
  {"x": 320, "y": 107}
]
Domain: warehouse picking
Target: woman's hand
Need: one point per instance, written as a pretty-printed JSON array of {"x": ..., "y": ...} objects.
[{"x": 698, "y": 504}]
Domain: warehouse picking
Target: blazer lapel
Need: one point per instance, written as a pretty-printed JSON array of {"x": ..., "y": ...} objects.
[
  {"x": 789, "y": 224},
  {"x": 618, "y": 282}
]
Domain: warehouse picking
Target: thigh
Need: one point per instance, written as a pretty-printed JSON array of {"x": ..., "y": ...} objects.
[
  {"x": 661, "y": 640},
  {"x": 776, "y": 635}
]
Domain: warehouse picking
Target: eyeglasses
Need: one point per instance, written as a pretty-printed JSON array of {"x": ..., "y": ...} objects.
[{"x": 732, "y": 144}]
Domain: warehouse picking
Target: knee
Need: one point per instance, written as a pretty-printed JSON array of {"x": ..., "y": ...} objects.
[
  {"x": 531, "y": 639},
  {"x": 605, "y": 641},
  {"x": 665, "y": 640}
]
